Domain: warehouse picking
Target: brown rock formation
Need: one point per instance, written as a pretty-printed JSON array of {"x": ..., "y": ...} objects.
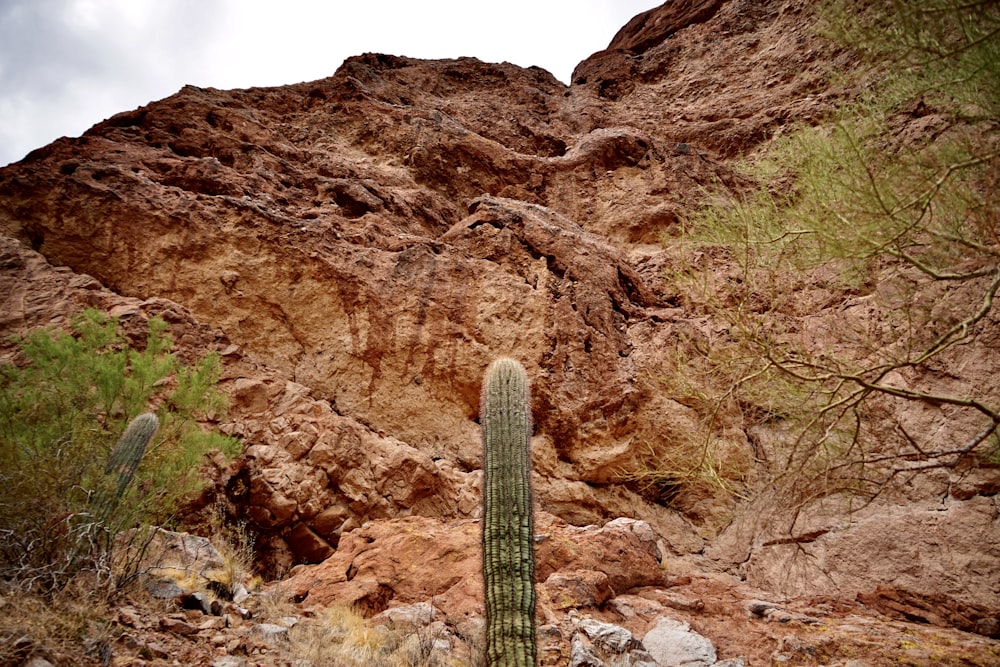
[
  {"x": 414, "y": 559},
  {"x": 939, "y": 610}
]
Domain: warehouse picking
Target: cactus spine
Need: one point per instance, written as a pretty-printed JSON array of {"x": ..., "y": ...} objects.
[
  {"x": 126, "y": 456},
  {"x": 508, "y": 518}
]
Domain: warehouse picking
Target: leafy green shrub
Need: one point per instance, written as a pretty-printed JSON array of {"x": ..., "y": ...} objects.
[{"x": 63, "y": 407}]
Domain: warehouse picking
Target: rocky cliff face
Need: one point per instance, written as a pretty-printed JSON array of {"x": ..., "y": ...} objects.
[{"x": 361, "y": 247}]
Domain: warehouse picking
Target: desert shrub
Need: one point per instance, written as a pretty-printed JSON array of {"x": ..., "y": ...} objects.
[
  {"x": 63, "y": 406},
  {"x": 891, "y": 206}
]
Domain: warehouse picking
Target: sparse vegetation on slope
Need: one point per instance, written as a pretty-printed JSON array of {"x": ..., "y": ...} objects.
[
  {"x": 74, "y": 508},
  {"x": 887, "y": 213}
]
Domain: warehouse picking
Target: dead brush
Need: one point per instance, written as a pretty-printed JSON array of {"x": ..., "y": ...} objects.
[{"x": 68, "y": 629}]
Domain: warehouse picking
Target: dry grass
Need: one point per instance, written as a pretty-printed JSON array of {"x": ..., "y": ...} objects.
[
  {"x": 343, "y": 637},
  {"x": 69, "y": 629},
  {"x": 235, "y": 543}
]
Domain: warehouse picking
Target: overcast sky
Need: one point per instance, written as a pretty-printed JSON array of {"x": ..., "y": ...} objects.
[{"x": 68, "y": 64}]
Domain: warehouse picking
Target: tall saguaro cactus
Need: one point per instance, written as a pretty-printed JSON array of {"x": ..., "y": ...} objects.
[{"x": 508, "y": 519}]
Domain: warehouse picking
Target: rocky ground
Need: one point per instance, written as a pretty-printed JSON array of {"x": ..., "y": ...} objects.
[{"x": 359, "y": 248}]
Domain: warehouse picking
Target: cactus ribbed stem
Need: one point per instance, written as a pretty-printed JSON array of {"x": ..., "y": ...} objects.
[
  {"x": 508, "y": 519},
  {"x": 126, "y": 456}
]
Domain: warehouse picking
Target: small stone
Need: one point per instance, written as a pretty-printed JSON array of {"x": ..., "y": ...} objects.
[
  {"x": 229, "y": 279},
  {"x": 682, "y": 602},
  {"x": 124, "y": 312},
  {"x": 129, "y": 617},
  {"x": 550, "y": 637},
  {"x": 38, "y": 662},
  {"x": 229, "y": 661},
  {"x": 212, "y": 623},
  {"x": 294, "y": 395},
  {"x": 193, "y": 615},
  {"x": 579, "y": 588},
  {"x": 164, "y": 590},
  {"x": 329, "y": 520},
  {"x": 240, "y": 612},
  {"x": 582, "y": 654},
  {"x": 177, "y": 626},
  {"x": 673, "y": 580},
  {"x": 416, "y": 615},
  {"x": 250, "y": 395},
  {"x": 240, "y": 593},
  {"x": 156, "y": 649},
  {"x": 270, "y": 632},
  {"x": 761, "y": 607}
]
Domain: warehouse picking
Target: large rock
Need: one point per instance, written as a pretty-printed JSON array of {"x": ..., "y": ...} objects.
[
  {"x": 309, "y": 475},
  {"x": 932, "y": 549},
  {"x": 612, "y": 71},
  {"x": 935, "y": 609},
  {"x": 419, "y": 559},
  {"x": 673, "y": 644},
  {"x": 598, "y": 644}
]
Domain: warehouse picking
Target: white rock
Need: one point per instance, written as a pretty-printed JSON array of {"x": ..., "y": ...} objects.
[
  {"x": 240, "y": 593},
  {"x": 673, "y": 644},
  {"x": 613, "y": 638},
  {"x": 229, "y": 661},
  {"x": 271, "y": 632},
  {"x": 38, "y": 662},
  {"x": 582, "y": 654},
  {"x": 418, "y": 614}
]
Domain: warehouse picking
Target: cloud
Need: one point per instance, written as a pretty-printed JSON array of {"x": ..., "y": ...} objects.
[{"x": 68, "y": 64}]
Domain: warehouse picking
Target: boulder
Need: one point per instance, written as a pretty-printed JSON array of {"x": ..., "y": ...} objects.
[
  {"x": 673, "y": 644},
  {"x": 419, "y": 559}
]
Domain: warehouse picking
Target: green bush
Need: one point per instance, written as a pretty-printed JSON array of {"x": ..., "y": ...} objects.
[{"x": 63, "y": 407}]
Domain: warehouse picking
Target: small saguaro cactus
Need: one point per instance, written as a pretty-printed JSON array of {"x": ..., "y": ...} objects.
[
  {"x": 508, "y": 518},
  {"x": 127, "y": 455}
]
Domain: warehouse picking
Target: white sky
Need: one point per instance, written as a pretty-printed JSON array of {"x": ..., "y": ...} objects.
[{"x": 68, "y": 64}]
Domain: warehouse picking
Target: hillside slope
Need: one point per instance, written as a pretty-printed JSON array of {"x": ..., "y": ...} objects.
[{"x": 360, "y": 248}]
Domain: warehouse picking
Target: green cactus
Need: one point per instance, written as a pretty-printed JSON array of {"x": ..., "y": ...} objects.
[
  {"x": 126, "y": 456},
  {"x": 508, "y": 517}
]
